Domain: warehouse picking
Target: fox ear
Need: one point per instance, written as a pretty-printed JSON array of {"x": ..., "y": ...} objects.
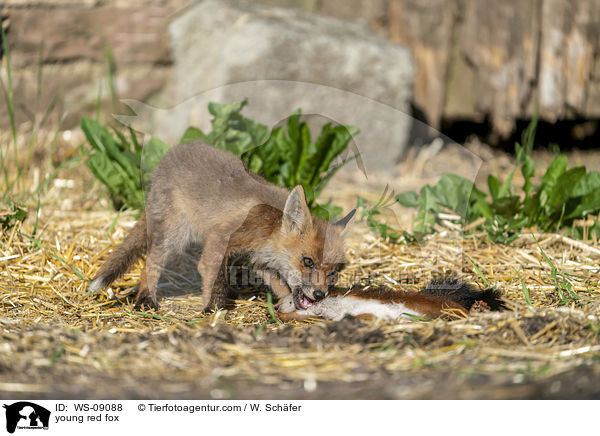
[
  {"x": 295, "y": 214},
  {"x": 344, "y": 221}
]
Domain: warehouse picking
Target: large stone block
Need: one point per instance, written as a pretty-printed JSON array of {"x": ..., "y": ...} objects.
[
  {"x": 134, "y": 35},
  {"x": 283, "y": 59}
]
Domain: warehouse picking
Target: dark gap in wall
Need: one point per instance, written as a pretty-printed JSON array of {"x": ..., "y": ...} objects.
[{"x": 578, "y": 133}]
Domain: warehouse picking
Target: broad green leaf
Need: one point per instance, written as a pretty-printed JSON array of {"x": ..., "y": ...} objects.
[
  {"x": 408, "y": 199},
  {"x": 481, "y": 208},
  {"x": 152, "y": 153},
  {"x": 326, "y": 211},
  {"x": 506, "y": 206},
  {"x": 426, "y": 210},
  {"x": 589, "y": 183},
  {"x": 453, "y": 191},
  {"x": 589, "y": 204},
  {"x": 563, "y": 187},
  {"x": 256, "y": 164},
  {"x": 494, "y": 186},
  {"x": 194, "y": 134},
  {"x": 555, "y": 170}
]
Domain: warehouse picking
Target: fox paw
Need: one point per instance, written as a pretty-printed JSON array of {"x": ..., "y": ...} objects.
[{"x": 145, "y": 302}]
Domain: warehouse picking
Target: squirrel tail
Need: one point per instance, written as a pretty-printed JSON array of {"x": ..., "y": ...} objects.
[{"x": 464, "y": 294}]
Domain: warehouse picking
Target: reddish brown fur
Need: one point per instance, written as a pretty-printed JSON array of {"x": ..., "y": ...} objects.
[
  {"x": 260, "y": 224},
  {"x": 429, "y": 305},
  {"x": 293, "y": 316}
]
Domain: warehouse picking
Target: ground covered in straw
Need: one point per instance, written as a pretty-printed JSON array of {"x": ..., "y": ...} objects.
[{"x": 58, "y": 341}]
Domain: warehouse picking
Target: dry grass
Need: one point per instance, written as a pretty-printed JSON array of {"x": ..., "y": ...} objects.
[{"x": 58, "y": 341}]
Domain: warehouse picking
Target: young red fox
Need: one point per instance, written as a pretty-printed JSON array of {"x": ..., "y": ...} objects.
[
  {"x": 380, "y": 302},
  {"x": 201, "y": 194}
]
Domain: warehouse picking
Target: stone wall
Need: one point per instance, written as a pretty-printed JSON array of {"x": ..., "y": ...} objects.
[
  {"x": 484, "y": 58},
  {"x": 474, "y": 58},
  {"x": 75, "y": 41}
]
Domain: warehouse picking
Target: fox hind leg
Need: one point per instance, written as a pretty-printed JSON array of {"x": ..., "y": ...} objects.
[{"x": 156, "y": 259}]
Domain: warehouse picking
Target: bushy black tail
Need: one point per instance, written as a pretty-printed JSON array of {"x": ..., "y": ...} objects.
[{"x": 463, "y": 293}]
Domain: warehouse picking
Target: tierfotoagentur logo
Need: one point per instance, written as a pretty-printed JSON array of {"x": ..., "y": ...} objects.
[{"x": 24, "y": 415}]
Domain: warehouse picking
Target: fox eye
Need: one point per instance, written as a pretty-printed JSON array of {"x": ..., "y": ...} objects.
[
  {"x": 308, "y": 262},
  {"x": 333, "y": 273}
]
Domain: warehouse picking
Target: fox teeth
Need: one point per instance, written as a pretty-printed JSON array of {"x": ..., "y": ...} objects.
[{"x": 305, "y": 301}]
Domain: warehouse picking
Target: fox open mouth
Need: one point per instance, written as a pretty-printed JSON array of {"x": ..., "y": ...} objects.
[{"x": 301, "y": 301}]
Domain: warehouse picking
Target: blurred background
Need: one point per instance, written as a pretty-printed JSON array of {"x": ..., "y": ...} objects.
[{"x": 463, "y": 67}]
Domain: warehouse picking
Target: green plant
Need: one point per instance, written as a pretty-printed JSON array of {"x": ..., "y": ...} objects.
[
  {"x": 562, "y": 198},
  {"x": 524, "y": 288},
  {"x": 370, "y": 214},
  {"x": 14, "y": 187},
  {"x": 485, "y": 281},
  {"x": 11, "y": 216},
  {"x": 285, "y": 156},
  {"x": 562, "y": 284},
  {"x": 116, "y": 161},
  {"x": 452, "y": 194},
  {"x": 7, "y": 91}
]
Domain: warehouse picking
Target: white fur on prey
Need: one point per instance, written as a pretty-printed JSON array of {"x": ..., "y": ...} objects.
[{"x": 335, "y": 308}]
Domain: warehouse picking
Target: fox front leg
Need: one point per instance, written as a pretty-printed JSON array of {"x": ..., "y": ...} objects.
[
  {"x": 279, "y": 288},
  {"x": 211, "y": 269},
  {"x": 220, "y": 290}
]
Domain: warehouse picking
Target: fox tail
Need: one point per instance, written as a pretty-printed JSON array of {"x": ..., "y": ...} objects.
[{"x": 130, "y": 250}]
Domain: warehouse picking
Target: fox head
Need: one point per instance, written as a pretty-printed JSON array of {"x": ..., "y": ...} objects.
[{"x": 310, "y": 251}]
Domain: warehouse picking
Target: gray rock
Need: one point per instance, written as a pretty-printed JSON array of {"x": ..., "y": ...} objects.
[{"x": 281, "y": 60}]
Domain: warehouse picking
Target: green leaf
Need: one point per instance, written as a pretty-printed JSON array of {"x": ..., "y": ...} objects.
[
  {"x": 555, "y": 170},
  {"x": 10, "y": 217},
  {"x": 494, "y": 186},
  {"x": 115, "y": 163},
  {"x": 528, "y": 171},
  {"x": 152, "y": 154},
  {"x": 505, "y": 187},
  {"x": 589, "y": 183},
  {"x": 408, "y": 199},
  {"x": 563, "y": 187},
  {"x": 453, "y": 191},
  {"x": 426, "y": 210},
  {"x": 194, "y": 134},
  {"x": 562, "y": 196},
  {"x": 506, "y": 206},
  {"x": 256, "y": 164},
  {"x": 326, "y": 211},
  {"x": 481, "y": 208},
  {"x": 589, "y": 204}
]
